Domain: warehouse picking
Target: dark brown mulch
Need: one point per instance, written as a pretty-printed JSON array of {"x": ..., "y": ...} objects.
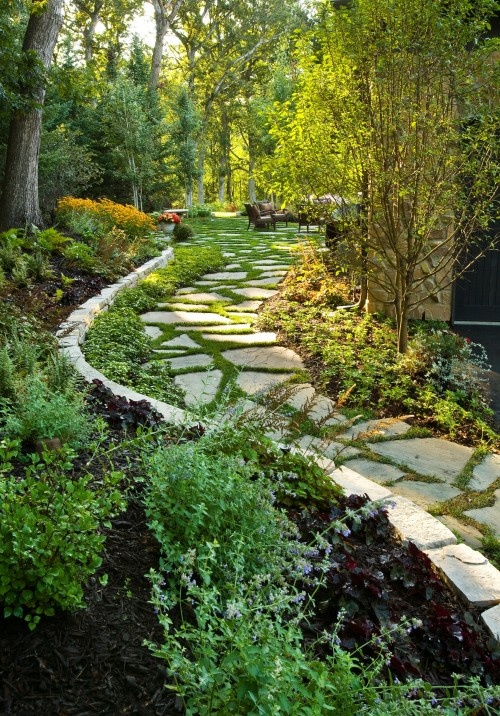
[{"x": 93, "y": 662}]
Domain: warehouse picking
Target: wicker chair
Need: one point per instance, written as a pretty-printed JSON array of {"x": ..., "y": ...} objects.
[{"x": 259, "y": 221}]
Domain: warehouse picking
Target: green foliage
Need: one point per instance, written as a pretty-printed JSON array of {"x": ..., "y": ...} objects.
[
  {"x": 237, "y": 576},
  {"x": 135, "y": 298},
  {"x": 52, "y": 241},
  {"x": 117, "y": 345},
  {"x": 66, "y": 166},
  {"x": 49, "y": 532},
  {"x": 183, "y": 232},
  {"x": 117, "y": 335},
  {"x": 38, "y": 266},
  {"x": 82, "y": 255},
  {"x": 188, "y": 264},
  {"x": 200, "y": 211},
  {"x": 439, "y": 379},
  {"x": 38, "y": 413}
]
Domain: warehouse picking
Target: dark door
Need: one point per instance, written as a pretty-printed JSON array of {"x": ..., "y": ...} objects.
[{"x": 477, "y": 292}]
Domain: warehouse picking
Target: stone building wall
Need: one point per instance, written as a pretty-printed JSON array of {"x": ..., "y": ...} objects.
[{"x": 437, "y": 287}]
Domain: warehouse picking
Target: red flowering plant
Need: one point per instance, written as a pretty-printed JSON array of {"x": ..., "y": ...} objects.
[{"x": 167, "y": 217}]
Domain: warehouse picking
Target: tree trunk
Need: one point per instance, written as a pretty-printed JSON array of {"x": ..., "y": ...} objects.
[
  {"x": 162, "y": 22},
  {"x": 201, "y": 175},
  {"x": 252, "y": 192},
  {"x": 89, "y": 30},
  {"x": 19, "y": 205}
]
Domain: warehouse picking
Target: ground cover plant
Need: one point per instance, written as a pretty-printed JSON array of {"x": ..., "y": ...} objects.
[
  {"x": 309, "y": 625},
  {"x": 355, "y": 358}
]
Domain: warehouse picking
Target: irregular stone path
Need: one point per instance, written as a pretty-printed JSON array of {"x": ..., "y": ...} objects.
[
  {"x": 358, "y": 456},
  {"x": 207, "y": 349},
  {"x": 206, "y": 333}
]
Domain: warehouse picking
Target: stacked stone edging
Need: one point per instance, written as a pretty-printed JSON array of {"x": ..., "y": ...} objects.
[
  {"x": 467, "y": 571},
  {"x": 71, "y": 335}
]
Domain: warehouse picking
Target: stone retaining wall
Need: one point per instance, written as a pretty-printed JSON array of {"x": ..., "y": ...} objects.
[{"x": 71, "y": 334}]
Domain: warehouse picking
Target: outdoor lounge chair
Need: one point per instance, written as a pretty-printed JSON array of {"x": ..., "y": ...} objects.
[
  {"x": 266, "y": 208},
  {"x": 259, "y": 221}
]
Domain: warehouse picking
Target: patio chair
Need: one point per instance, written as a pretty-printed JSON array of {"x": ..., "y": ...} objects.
[
  {"x": 259, "y": 221},
  {"x": 266, "y": 208}
]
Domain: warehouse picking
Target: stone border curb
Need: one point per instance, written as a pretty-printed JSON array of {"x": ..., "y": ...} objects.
[
  {"x": 71, "y": 334},
  {"x": 466, "y": 571}
]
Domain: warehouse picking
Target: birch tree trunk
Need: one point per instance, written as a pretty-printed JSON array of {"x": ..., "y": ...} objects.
[{"x": 19, "y": 204}]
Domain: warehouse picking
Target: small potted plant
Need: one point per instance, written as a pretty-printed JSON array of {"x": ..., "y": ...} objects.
[{"x": 167, "y": 221}]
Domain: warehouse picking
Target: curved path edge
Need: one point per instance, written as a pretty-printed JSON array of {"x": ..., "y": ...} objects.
[
  {"x": 467, "y": 571},
  {"x": 71, "y": 334}
]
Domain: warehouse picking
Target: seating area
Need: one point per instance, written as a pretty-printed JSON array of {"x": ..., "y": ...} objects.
[{"x": 262, "y": 214}]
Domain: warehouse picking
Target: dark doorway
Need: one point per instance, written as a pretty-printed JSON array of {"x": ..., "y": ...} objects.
[{"x": 477, "y": 292}]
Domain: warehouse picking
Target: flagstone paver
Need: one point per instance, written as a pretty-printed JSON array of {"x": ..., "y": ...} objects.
[
  {"x": 249, "y": 338},
  {"x": 245, "y": 306},
  {"x": 425, "y": 493},
  {"x": 231, "y": 328},
  {"x": 170, "y": 317},
  {"x": 489, "y": 516},
  {"x": 469, "y": 534},
  {"x": 265, "y": 357},
  {"x": 427, "y": 456},
  {"x": 200, "y": 297},
  {"x": 252, "y": 381},
  {"x": 377, "y": 471},
  {"x": 329, "y": 448},
  {"x": 386, "y": 428},
  {"x": 254, "y": 292},
  {"x": 485, "y": 473},
  {"x": 153, "y": 332},
  {"x": 200, "y": 387},
  {"x": 225, "y": 276},
  {"x": 265, "y": 281},
  {"x": 181, "y": 341},
  {"x": 191, "y": 361},
  {"x": 184, "y": 306}
]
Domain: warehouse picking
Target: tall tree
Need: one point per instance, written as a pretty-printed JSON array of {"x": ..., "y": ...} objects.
[
  {"x": 386, "y": 94},
  {"x": 221, "y": 41},
  {"x": 19, "y": 204},
  {"x": 165, "y": 14}
]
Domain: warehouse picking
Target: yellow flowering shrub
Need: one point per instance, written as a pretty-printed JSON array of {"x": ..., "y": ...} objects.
[{"x": 104, "y": 214}]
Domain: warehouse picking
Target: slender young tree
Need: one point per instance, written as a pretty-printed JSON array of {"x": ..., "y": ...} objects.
[
  {"x": 19, "y": 204},
  {"x": 387, "y": 93}
]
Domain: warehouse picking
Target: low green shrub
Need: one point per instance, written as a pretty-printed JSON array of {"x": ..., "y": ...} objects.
[
  {"x": 117, "y": 345},
  {"x": 136, "y": 299},
  {"x": 80, "y": 255},
  {"x": 49, "y": 532},
  {"x": 200, "y": 211},
  {"x": 438, "y": 380},
  {"x": 183, "y": 232},
  {"x": 52, "y": 241},
  {"x": 188, "y": 264},
  {"x": 38, "y": 412}
]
